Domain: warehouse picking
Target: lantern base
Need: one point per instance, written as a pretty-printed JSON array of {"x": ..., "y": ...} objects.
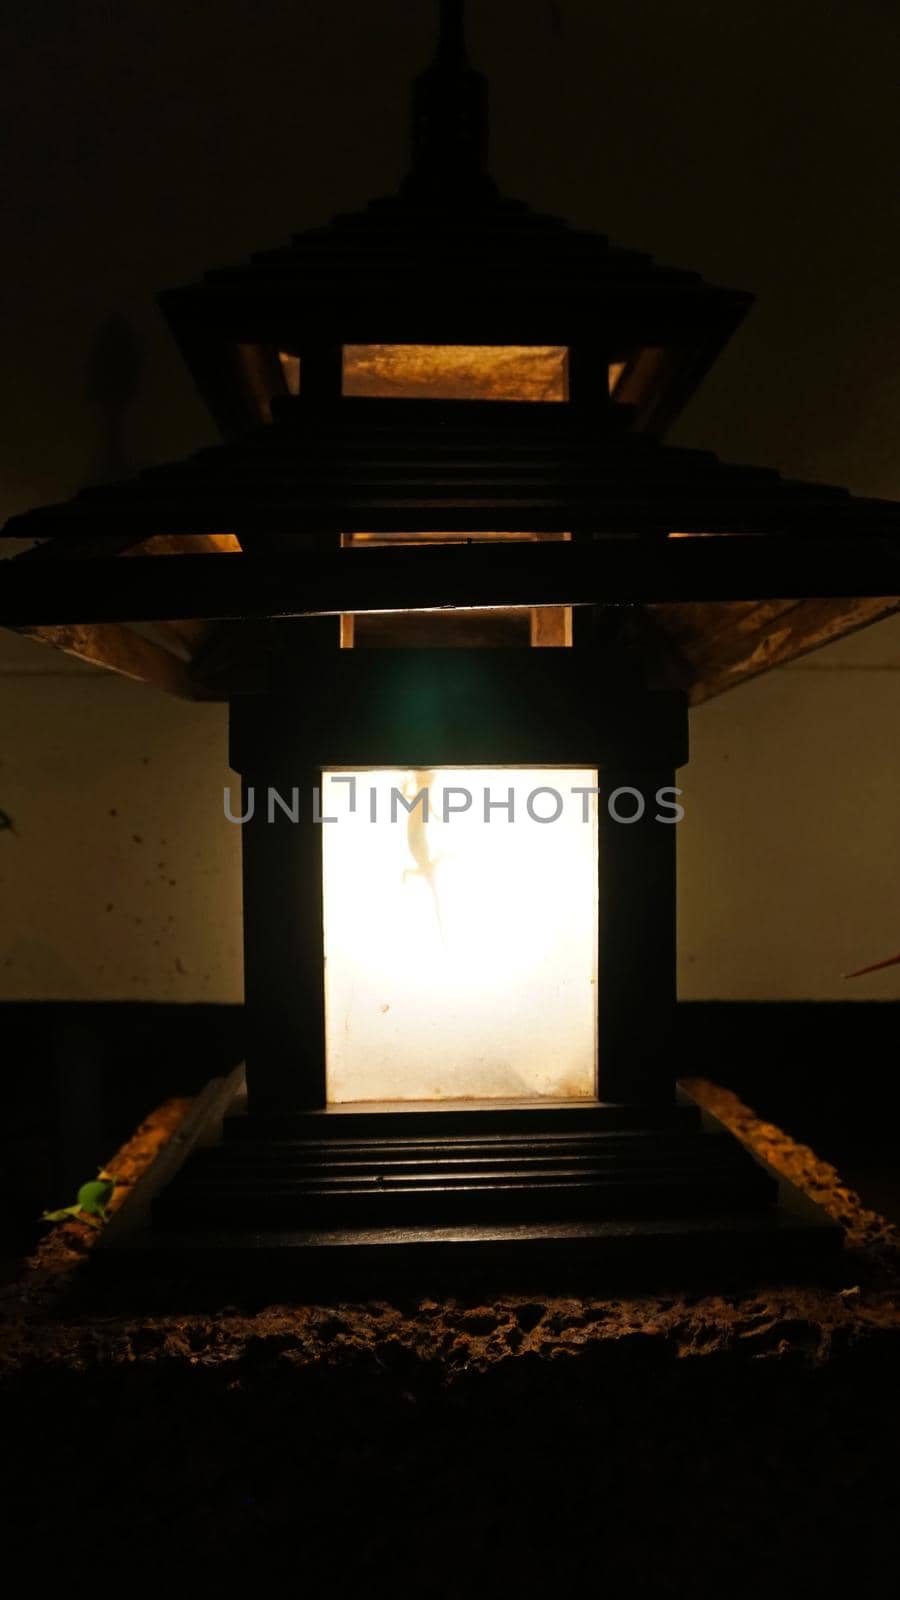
[{"x": 356, "y": 1199}]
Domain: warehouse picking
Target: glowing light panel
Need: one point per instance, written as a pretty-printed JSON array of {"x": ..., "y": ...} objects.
[
  {"x": 456, "y": 372},
  {"x": 461, "y": 954}
]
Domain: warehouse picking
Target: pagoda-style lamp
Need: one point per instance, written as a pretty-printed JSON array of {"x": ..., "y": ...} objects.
[
  {"x": 448, "y": 281},
  {"x": 458, "y": 752}
]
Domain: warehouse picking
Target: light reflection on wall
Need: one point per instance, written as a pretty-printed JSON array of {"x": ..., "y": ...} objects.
[{"x": 461, "y": 956}]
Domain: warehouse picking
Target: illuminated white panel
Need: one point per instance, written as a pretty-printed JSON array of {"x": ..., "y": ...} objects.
[{"x": 461, "y": 955}]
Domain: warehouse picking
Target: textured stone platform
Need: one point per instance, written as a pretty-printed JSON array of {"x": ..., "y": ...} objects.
[{"x": 685, "y": 1442}]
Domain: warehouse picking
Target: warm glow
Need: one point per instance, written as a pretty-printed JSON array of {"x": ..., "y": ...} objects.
[
  {"x": 190, "y": 544},
  {"x": 461, "y": 955},
  {"x": 615, "y": 373},
  {"x": 540, "y": 626},
  {"x": 451, "y": 371},
  {"x": 290, "y": 367},
  {"x": 456, "y": 371}
]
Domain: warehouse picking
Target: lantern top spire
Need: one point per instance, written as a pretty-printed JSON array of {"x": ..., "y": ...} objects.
[
  {"x": 452, "y": 35},
  {"x": 449, "y": 260},
  {"x": 450, "y": 131}
]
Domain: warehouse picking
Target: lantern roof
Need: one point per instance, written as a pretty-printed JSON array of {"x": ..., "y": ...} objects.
[
  {"x": 673, "y": 536},
  {"x": 450, "y": 260},
  {"x": 398, "y": 466},
  {"x": 725, "y": 571},
  {"x": 719, "y": 572}
]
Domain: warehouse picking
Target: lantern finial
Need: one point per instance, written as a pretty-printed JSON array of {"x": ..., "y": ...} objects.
[
  {"x": 450, "y": 115},
  {"x": 452, "y": 39}
]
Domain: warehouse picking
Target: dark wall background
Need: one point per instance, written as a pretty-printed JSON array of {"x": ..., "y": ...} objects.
[{"x": 758, "y": 142}]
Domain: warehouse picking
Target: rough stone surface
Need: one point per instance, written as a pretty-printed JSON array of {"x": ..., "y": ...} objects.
[{"x": 683, "y": 1443}]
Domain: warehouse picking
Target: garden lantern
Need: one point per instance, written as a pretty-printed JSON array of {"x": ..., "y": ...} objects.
[{"x": 455, "y": 634}]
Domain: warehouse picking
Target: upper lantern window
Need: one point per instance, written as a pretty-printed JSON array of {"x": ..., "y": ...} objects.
[
  {"x": 456, "y": 371},
  {"x": 450, "y": 372}
]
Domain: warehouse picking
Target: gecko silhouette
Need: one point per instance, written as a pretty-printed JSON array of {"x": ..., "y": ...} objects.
[{"x": 417, "y": 841}]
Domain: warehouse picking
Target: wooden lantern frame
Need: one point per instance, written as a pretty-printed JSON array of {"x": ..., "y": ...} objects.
[
  {"x": 449, "y": 260},
  {"x": 431, "y": 708}
]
